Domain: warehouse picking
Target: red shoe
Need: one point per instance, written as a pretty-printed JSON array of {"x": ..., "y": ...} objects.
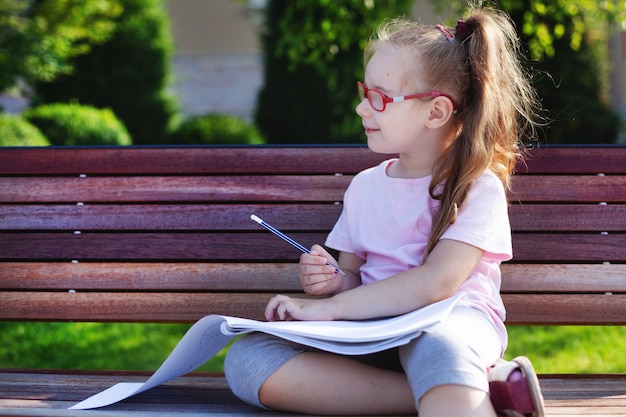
[{"x": 514, "y": 389}]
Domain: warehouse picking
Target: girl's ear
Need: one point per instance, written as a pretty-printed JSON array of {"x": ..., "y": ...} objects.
[{"x": 441, "y": 111}]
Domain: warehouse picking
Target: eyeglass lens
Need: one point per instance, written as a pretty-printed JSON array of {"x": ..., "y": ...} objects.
[{"x": 373, "y": 96}]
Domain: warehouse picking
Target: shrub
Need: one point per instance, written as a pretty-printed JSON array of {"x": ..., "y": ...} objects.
[
  {"x": 569, "y": 44},
  {"x": 216, "y": 129},
  {"x": 129, "y": 74},
  {"x": 17, "y": 131},
  {"x": 313, "y": 55},
  {"x": 73, "y": 124}
]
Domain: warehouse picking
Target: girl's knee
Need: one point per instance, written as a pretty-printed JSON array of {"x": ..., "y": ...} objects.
[
  {"x": 239, "y": 366},
  {"x": 251, "y": 360},
  {"x": 237, "y": 353},
  {"x": 434, "y": 360}
]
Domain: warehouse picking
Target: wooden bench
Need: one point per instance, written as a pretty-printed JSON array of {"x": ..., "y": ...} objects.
[{"x": 164, "y": 235}]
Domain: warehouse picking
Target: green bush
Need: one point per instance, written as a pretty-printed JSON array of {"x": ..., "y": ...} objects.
[
  {"x": 313, "y": 55},
  {"x": 572, "y": 70},
  {"x": 17, "y": 131},
  {"x": 128, "y": 74},
  {"x": 216, "y": 129},
  {"x": 76, "y": 125}
]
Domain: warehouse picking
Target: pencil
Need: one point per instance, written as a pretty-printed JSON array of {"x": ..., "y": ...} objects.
[{"x": 288, "y": 239}]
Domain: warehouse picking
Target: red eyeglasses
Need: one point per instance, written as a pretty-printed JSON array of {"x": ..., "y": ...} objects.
[{"x": 378, "y": 100}]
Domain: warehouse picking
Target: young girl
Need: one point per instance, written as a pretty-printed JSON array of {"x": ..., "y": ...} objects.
[{"x": 429, "y": 224}]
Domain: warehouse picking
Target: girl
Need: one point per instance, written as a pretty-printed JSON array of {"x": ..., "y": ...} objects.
[{"x": 431, "y": 223}]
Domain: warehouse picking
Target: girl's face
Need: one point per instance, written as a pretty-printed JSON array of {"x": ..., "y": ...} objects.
[{"x": 401, "y": 127}]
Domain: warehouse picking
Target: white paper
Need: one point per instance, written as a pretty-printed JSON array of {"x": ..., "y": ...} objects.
[
  {"x": 201, "y": 342},
  {"x": 212, "y": 333}
]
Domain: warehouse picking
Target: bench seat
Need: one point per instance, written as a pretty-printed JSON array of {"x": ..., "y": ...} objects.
[{"x": 208, "y": 394}]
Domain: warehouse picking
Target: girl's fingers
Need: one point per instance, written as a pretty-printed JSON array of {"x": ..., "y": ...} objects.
[{"x": 278, "y": 307}]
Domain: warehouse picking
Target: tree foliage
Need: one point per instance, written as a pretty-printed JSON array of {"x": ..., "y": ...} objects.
[
  {"x": 129, "y": 73},
  {"x": 566, "y": 43},
  {"x": 544, "y": 22},
  {"x": 568, "y": 40},
  {"x": 38, "y": 38},
  {"x": 313, "y": 52}
]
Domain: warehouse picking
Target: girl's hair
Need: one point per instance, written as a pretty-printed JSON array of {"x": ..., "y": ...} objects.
[{"x": 480, "y": 65}]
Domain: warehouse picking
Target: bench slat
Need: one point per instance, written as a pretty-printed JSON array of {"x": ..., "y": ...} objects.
[
  {"x": 192, "y": 160},
  {"x": 567, "y": 278},
  {"x": 262, "y": 246},
  {"x": 571, "y": 217},
  {"x": 189, "y": 307},
  {"x": 330, "y": 188},
  {"x": 575, "y": 160},
  {"x": 256, "y": 159},
  {"x": 553, "y": 248},
  {"x": 151, "y": 217},
  {"x": 565, "y": 309},
  {"x": 268, "y": 277},
  {"x": 273, "y": 277},
  {"x": 568, "y": 188},
  {"x": 152, "y": 307},
  {"x": 285, "y": 188},
  {"x": 319, "y": 217}
]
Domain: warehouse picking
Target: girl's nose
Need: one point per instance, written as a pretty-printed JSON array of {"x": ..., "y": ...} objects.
[{"x": 363, "y": 108}]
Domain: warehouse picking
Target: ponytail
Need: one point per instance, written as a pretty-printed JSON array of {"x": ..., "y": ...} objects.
[{"x": 497, "y": 108}]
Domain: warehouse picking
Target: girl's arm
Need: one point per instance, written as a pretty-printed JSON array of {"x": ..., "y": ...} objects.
[{"x": 447, "y": 267}]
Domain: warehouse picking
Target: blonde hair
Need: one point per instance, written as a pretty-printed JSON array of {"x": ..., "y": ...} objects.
[{"x": 497, "y": 105}]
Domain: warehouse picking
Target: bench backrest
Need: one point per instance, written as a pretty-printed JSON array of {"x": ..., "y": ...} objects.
[{"x": 164, "y": 234}]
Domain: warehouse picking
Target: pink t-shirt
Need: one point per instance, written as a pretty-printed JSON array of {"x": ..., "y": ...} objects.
[{"x": 387, "y": 221}]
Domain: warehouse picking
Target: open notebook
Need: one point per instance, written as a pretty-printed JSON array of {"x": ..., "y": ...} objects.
[{"x": 211, "y": 333}]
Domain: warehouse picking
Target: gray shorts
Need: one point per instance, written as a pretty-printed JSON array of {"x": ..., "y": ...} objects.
[{"x": 458, "y": 352}]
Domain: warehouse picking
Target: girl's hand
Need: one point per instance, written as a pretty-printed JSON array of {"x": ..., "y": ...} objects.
[
  {"x": 316, "y": 277},
  {"x": 282, "y": 307}
]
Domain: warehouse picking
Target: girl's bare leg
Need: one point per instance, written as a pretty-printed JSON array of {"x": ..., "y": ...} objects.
[
  {"x": 455, "y": 401},
  {"x": 319, "y": 383}
]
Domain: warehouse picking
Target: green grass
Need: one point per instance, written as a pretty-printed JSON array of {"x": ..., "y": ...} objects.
[
  {"x": 119, "y": 346},
  {"x": 570, "y": 349},
  {"x": 556, "y": 349}
]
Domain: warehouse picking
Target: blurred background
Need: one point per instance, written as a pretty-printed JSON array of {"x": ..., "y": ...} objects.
[{"x": 146, "y": 72}]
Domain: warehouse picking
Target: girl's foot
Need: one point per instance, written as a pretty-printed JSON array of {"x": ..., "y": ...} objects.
[{"x": 514, "y": 389}]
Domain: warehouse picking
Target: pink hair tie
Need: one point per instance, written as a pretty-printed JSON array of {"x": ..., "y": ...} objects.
[{"x": 446, "y": 32}]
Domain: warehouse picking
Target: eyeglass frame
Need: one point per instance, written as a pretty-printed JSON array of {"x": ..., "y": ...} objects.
[{"x": 363, "y": 93}]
